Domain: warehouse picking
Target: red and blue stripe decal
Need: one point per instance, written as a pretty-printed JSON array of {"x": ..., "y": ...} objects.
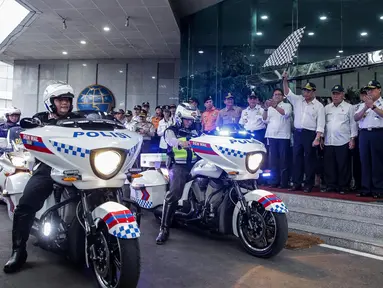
[
  {"x": 203, "y": 148},
  {"x": 34, "y": 143},
  {"x": 268, "y": 200},
  {"x": 113, "y": 218}
]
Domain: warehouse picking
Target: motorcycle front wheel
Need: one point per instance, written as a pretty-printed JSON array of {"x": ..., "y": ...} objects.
[
  {"x": 117, "y": 261},
  {"x": 265, "y": 234}
]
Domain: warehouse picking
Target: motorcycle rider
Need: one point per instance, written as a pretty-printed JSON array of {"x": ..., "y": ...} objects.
[
  {"x": 58, "y": 99},
  {"x": 13, "y": 118},
  {"x": 181, "y": 160}
]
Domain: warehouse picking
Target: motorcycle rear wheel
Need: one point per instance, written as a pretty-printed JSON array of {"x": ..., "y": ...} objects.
[
  {"x": 273, "y": 246},
  {"x": 128, "y": 260}
]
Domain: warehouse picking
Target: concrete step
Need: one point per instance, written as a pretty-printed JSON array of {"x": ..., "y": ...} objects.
[
  {"x": 342, "y": 239},
  {"x": 368, "y": 210},
  {"x": 338, "y": 222}
]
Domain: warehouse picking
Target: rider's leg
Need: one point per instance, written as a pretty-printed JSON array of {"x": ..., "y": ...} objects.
[
  {"x": 38, "y": 188},
  {"x": 178, "y": 178}
]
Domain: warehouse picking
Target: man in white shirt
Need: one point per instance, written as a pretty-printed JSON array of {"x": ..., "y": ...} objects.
[
  {"x": 339, "y": 139},
  {"x": 277, "y": 115},
  {"x": 251, "y": 118},
  {"x": 309, "y": 125},
  {"x": 370, "y": 118},
  {"x": 130, "y": 124},
  {"x": 137, "y": 110}
]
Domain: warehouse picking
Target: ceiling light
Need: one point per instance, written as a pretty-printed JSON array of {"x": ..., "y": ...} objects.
[
  {"x": 106, "y": 28},
  {"x": 264, "y": 17},
  {"x": 381, "y": 17},
  {"x": 153, "y": 77},
  {"x": 340, "y": 51},
  {"x": 65, "y": 53},
  {"x": 83, "y": 42},
  {"x": 259, "y": 33},
  {"x": 84, "y": 64},
  {"x": 323, "y": 17},
  {"x": 252, "y": 55},
  {"x": 121, "y": 71},
  {"x": 200, "y": 52},
  {"x": 363, "y": 34},
  {"x": 310, "y": 33},
  {"x": 337, "y": 56}
]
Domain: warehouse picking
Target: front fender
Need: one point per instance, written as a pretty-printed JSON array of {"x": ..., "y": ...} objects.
[
  {"x": 120, "y": 220},
  {"x": 16, "y": 183},
  {"x": 268, "y": 200}
]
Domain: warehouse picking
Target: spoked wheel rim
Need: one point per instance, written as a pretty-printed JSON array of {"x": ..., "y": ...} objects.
[
  {"x": 263, "y": 234},
  {"x": 107, "y": 265}
]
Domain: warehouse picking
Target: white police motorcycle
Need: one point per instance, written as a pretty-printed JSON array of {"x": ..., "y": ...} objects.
[
  {"x": 221, "y": 193},
  {"x": 84, "y": 217}
]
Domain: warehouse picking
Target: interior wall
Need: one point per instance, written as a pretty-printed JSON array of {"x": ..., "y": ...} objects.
[{"x": 132, "y": 81}]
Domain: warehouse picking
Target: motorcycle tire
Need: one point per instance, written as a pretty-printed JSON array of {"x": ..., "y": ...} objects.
[
  {"x": 279, "y": 242},
  {"x": 130, "y": 265}
]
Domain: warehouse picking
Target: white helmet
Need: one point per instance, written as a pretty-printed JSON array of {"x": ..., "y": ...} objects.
[
  {"x": 59, "y": 89},
  {"x": 13, "y": 111},
  {"x": 187, "y": 111}
]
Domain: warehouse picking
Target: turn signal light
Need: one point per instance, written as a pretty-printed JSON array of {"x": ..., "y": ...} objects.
[
  {"x": 233, "y": 173},
  {"x": 134, "y": 176},
  {"x": 70, "y": 179}
]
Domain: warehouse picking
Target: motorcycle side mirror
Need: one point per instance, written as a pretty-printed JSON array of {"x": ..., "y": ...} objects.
[{"x": 28, "y": 123}]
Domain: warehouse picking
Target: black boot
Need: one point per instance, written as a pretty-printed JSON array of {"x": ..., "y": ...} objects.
[
  {"x": 167, "y": 214},
  {"x": 22, "y": 224}
]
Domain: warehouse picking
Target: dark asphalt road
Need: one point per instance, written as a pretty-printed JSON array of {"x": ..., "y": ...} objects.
[{"x": 194, "y": 260}]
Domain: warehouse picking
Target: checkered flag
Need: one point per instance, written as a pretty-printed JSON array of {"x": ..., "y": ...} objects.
[{"x": 285, "y": 52}]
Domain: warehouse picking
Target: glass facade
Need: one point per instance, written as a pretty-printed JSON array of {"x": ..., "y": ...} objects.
[
  {"x": 224, "y": 47},
  {"x": 6, "y": 85}
]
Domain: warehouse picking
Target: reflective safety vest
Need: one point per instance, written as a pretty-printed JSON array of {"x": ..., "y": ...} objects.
[{"x": 184, "y": 156}]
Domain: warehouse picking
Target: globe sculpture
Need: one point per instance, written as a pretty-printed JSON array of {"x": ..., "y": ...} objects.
[{"x": 96, "y": 97}]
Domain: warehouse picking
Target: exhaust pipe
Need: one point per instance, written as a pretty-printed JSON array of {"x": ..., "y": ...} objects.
[{"x": 189, "y": 214}]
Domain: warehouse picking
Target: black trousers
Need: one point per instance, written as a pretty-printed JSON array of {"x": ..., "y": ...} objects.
[
  {"x": 279, "y": 161},
  {"x": 304, "y": 157},
  {"x": 337, "y": 166},
  {"x": 178, "y": 174},
  {"x": 356, "y": 165},
  {"x": 371, "y": 158}
]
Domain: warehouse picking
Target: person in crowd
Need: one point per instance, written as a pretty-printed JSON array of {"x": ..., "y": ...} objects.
[
  {"x": 209, "y": 117},
  {"x": 339, "y": 138},
  {"x": 129, "y": 123},
  {"x": 230, "y": 114},
  {"x": 58, "y": 100},
  {"x": 137, "y": 111},
  {"x": 193, "y": 101},
  {"x": 173, "y": 108},
  {"x": 120, "y": 116},
  {"x": 181, "y": 159},
  {"x": 370, "y": 118},
  {"x": 157, "y": 117},
  {"x": 165, "y": 123},
  {"x": 252, "y": 118},
  {"x": 12, "y": 119},
  {"x": 146, "y": 108},
  {"x": 277, "y": 115},
  {"x": 147, "y": 130},
  {"x": 355, "y": 154},
  {"x": 309, "y": 122}
]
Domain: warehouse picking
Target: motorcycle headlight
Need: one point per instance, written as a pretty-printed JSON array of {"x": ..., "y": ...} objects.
[
  {"x": 253, "y": 162},
  {"x": 106, "y": 162},
  {"x": 18, "y": 161}
]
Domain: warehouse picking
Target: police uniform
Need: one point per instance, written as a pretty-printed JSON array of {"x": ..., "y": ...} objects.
[
  {"x": 148, "y": 115},
  {"x": 138, "y": 108},
  {"x": 228, "y": 116},
  {"x": 252, "y": 121},
  {"x": 370, "y": 145},
  {"x": 162, "y": 126},
  {"x": 309, "y": 118},
  {"x": 339, "y": 130},
  {"x": 148, "y": 132},
  {"x": 181, "y": 161},
  {"x": 209, "y": 118}
]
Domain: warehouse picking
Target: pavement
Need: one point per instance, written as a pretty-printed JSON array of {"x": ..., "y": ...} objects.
[{"x": 197, "y": 259}]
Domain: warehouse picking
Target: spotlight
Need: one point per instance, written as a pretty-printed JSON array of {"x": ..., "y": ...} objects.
[
  {"x": 264, "y": 17},
  {"x": 200, "y": 52},
  {"x": 363, "y": 34},
  {"x": 83, "y": 42},
  {"x": 106, "y": 28},
  {"x": 323, "y": 18},
  {"x": 259, "y": 33},
  {"x": 65, "y": 53}
]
